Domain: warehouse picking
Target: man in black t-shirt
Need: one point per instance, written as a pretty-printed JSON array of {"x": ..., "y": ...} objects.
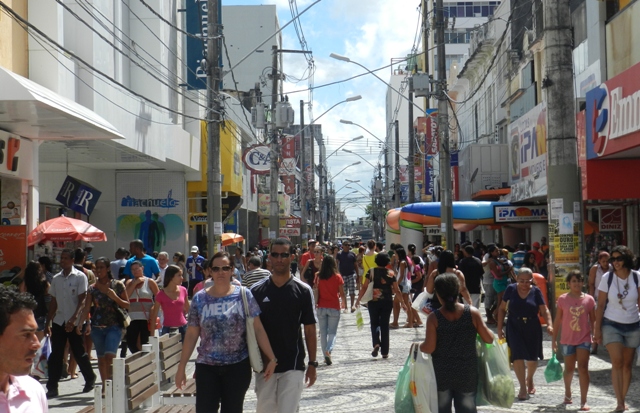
[
  {"x": 472, "y": 269},
  {"x": 285, "y": 303},
  {"x": 349, "y": 271}
]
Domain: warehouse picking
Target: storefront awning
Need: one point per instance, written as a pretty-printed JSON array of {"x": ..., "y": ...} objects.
[
  {"x": 490, "y": 194},
  {"x": 31, "y": 110}
]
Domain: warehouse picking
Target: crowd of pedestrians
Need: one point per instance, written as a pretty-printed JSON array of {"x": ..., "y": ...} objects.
[{"x": 106, "y": 305}]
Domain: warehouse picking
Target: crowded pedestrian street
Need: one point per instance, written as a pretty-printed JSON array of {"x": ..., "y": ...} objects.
[{"x": 356, "y": 382}]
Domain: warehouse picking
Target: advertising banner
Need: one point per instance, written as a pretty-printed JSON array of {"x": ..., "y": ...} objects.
[
  {"x": 15, "y": 156},
  {"x": 289, "y": 182},
  {"x": 78, "y": 196},
  {"x": 151, "y": 207},
  {"x": 264, "y": 205},
  {"x": 197, "y": 24},
  {"x": 432, "y": 142},
  {"x": 13, "y": 251},
  {"x": 520, "y": 213},
  {"x": 289, "y": 232},
  {"x": 611, "y": 219}
]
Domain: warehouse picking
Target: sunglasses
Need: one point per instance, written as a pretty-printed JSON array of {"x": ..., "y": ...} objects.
[
  {"x": 619, "y": 258},
  {"x": 281, "y": 254},
  {"x": 224, "y": 268}
]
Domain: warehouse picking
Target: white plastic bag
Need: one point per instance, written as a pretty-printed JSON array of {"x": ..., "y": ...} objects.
[
  {"x": 422, "y": 303},
  {"x": 40, "y": 362},
  {"x": 423, "y": 382}
]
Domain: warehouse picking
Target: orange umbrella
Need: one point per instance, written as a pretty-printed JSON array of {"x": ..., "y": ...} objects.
[
  {"x": 229, "y": 238},
  {"x": 63, "y": 229}
]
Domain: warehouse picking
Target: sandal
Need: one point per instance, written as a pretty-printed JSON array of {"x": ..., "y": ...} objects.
[
  {"x": 417, "y": 325},
  {"x": 407, "y": 325},
  {"x": 567, "y": 400},
  {"x": 522, "y": 397},
  {"x": 585, "y": 408},
  {"x": 374, "y": 353},
  {"x": 394, "y": 326}
]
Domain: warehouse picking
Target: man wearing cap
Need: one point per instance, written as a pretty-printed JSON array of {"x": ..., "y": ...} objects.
[
  {"x": 88, "y": 251},
  {"x": 309, "y": 254},
  {"x": 538, "y": 254},
  {"x": 194, "y": 268},
  {"x": 518, "y": 257}
]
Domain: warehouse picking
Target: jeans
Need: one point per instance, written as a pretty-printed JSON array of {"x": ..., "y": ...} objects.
[
  {"x": 462, "y": 402},
  {"x": 59, "y": 337},
  {"x": 182, "y": 330},
  {"x": 328, "y": 319},
  {"x": 106, "y": 339},
  {"x": 379, "y": 313},
  {"x": 222, "y": 387}
]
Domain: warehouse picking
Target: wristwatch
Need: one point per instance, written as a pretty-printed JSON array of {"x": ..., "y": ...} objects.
[{"x": 313, "y": 363}]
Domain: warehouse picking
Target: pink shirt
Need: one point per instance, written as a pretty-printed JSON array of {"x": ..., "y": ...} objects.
[
  {"x": 25, "y": 395},
  {"x": 173, "y": 309},
  {"x": 575, "y": 319},
  {"x": 329, "y": 291}
]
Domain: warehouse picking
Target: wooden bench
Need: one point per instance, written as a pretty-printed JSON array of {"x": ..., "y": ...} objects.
[{"x": 170, "y": 351}]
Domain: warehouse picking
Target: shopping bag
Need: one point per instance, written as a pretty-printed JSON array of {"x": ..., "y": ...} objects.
[
  {"x": 553, "y": 372},
  {"x": 40, "y": 363},
  {"x": 404, "y": 400},
  {"x": 498, "y": 387},
  {"x": 481, "y": 400},
  {"x": 423, "y": 302},
  {"x": 424, "y": 389},
  {"x": 359, "y": 319}
]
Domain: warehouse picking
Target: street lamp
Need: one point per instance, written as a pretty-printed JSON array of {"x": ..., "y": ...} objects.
[
  {"x": 353, "y": 164},
  {"x": 357, "y": 138},
  {"x": 360, "y": 156}
]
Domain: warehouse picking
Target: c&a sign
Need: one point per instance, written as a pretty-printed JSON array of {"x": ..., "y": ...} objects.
[{"x": 613, "y": 115}]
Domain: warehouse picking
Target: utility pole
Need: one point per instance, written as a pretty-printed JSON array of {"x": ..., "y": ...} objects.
[
  {"x": 274, "y": 215},
  {"x": 446, "y": 207},
  {"x": 322, "y": 189},
  {"x": 563, "y": 178},
  {"x": 214, "y": 176},
  {"x": 396, "y": 175},
  {"x": 312, "y": 166},
  {"x": 411, "y": 169},
  {"x": 425, "y": 43},
  {"x": 305, "y": 177}
]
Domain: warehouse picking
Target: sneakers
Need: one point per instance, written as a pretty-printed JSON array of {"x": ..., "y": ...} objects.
[
  {"x": 327, "y": 358},
  {"x": 52, "y": 394}
]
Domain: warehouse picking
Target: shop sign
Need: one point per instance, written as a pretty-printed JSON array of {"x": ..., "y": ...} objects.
[
  {"x": 431, "y": 136},
  {"x": 433, "y": 231},
  {"x": 197, "y": 25},
  {"x": 228, "y": 205},
  {"x": 258, "y": 159},
  {"x": 613, "y": 115},
  {"x": 294, "y": 222},
  {"x": 9, "y": 157},
  {"x": 289, "y": 232},
  {"x": 78, "y": 196},
  {"x": 289, "y": 182},
  {"x": 520, "y": 213},
  {"x": 610, "y": 219}
]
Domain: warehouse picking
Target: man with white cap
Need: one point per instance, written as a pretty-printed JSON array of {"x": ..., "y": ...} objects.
[{"x": 194, "y": 268}]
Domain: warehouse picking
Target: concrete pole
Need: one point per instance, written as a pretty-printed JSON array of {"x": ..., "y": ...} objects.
[
  {"x": 446, "y": 207},
  {"x": 305, "y": 177},
  {"x": 563, "y": 179},
  {"x": 274, "y": 216},
  {"x": 214, "y": 176},
  {"x": 396, "y": 175},
  {"x": 411, "y": 169}
]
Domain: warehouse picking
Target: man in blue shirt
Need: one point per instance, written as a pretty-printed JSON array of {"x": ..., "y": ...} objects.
[
  {"x": 194, "y": 268},
  {"x": 151, "y": 267},
  {"x": 348, "y": 270},
  {"x": 518, "y": 257}
]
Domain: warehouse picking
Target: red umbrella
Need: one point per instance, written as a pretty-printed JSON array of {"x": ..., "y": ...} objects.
[{"x": 63, "y": 229}]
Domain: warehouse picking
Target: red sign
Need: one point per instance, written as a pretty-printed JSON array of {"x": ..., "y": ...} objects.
[
  {"x": 611, "y": 219},
  {"x": 431, "y": 136},
  {"x": 289, "y": 182},
  {"x": 13, "y": 251},
  {"x": 289, "y": 232},
  {"x": 294, "y": 222},
  {"x": 288, "y": 147}
]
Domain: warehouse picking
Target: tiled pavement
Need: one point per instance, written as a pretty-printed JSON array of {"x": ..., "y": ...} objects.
[{"x": 358, "y": 383}]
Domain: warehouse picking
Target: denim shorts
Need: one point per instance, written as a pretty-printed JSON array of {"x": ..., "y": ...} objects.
[
  {"x": 106, "y": 339},
  {"x": 569, "y": 350},
  {"x": 41, "y": 321},
  {"x": 404, "y": 288},
  {"x": 627, "y": 334}
]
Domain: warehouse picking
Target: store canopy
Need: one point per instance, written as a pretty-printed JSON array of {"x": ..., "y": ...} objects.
[
  {"x": 65, "y": 229},
  {"x": 31, "y": 110}
]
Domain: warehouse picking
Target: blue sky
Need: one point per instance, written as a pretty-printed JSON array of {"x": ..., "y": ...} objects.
[{"x": 371, "y": 32}]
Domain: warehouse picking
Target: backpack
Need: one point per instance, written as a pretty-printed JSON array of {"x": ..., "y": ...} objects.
[{"x": 610, "y": 280}]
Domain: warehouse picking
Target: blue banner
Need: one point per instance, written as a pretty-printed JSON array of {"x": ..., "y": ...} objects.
[
  {"x": 78, "y": 196},
  {"x": 197, "y": 25}
]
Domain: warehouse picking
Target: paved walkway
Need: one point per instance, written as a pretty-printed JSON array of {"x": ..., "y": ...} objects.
[{"x": 358, "y": 383}]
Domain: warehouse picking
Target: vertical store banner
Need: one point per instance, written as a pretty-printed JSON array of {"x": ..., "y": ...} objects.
[
  {"x": 151, "y": 207},
  {"x": 13, "y": 251},
  {"x": 197, "y": 25}
]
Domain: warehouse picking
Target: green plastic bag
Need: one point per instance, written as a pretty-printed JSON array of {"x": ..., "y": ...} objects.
[
  {"x": 359, "y": 319},
  {"x": 404, "y": 399},
  {"x": 553, "y": 372}
]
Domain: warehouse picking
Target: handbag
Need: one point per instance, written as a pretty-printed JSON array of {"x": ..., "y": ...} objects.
[
  {"x": 255, "y": 358},
  {"x": 40, "y": 361},
  {"x": 123, "y": 315},
  {"x": 368, "y": 294}
]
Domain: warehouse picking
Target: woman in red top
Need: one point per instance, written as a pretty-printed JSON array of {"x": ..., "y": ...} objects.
[{"x": 330, "y": 289}]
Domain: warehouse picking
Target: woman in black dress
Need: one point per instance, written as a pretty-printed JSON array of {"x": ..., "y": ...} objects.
[
  {"x": 451, "y": 340},
  {"x": 524, "y": 332}
]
